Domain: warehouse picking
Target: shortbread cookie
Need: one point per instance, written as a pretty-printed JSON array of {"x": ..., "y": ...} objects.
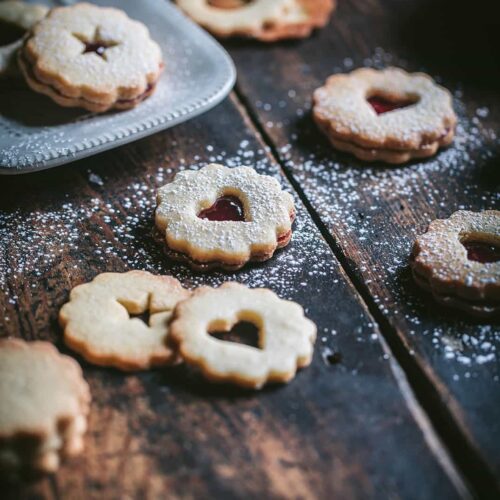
[
  {"x": 44, "y": 407},
  {"x": 458, "y": 260},
  {"x": 387, "y": 115},
  {"x": 16, "y": 18},
  {"x": 92, "y": 57},
  {"x": 224, "y": 217},
  {"x": 98, "y": 320},
  {"x": 286, "y": 337},
  {"x": 266, "y": 20}
]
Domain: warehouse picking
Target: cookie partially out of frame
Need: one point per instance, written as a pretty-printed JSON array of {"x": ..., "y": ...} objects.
[
  {"x": 44, "y": 406},
  {"x": 101, "y": 320},
  {"x": 385, "y": 115},
  {"x": 458, "y": 261},
  {"x": 92, "y": 57},
  {"x": 266, "y": 20},
  {"x": 16, "y": 18},
  {"x": 286, "y": 336}
]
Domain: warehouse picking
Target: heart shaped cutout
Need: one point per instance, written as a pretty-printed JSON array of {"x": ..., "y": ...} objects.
[
  {"x": 382, "y": 105},
  {"x": 479, "y": 251}
]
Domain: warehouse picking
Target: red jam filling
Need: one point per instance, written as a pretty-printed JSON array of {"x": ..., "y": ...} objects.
[
  {"x": 225, "y": 208},
  {"x": 381, "y": 105},
  {"x": 482, "y": 252}
]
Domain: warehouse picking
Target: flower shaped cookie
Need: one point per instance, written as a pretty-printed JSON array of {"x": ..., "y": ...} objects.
[
  {"x": 286, "y": 337},
  {"x": 458, "y": 260},
  {"x": 388, "y": 115},
  {"x": 266, "y": 20},
  {"x": 224, "y": 217},
  {"x": 99, "y": 320}
]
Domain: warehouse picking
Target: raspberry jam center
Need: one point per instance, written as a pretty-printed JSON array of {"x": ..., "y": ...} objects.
[
  {"x": 482, "y": 252},
  {"x": 382, "y": 105},
  {"x": 225, "y": 208}
]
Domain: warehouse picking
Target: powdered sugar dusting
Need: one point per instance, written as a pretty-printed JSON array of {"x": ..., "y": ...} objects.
[
  {"x": 376, "y": 212},
  {"x": 103, "y": 236}
]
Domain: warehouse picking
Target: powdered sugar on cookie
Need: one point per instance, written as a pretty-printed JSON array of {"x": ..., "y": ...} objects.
[
  {"x": 266, "y": 223},
  {"x": 420, "y": 120},
  {"x": 266, "y": 20}
]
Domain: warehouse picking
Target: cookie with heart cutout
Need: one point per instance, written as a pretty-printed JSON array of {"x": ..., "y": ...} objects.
[
  {"x": 458, "y": 261},
  {"x": 385, "y": 115},
  {"x": 102, "y": 320},
  {"x": 16, "y": 19},
  {"x": 265, "y": 20},
  {"x": 224, "y": 217},
  {"x": 44, "y": 407},
  {"x": 286, "y": 336},
  {"x": 91, "y": 57}
]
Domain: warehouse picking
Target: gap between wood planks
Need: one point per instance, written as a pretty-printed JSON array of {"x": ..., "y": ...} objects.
[{"x": 452, "y": 435}]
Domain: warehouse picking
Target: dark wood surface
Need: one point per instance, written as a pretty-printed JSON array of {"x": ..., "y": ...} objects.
[
  {"x": 404, "y": 420},
  {"x": 371, "y": 216}
]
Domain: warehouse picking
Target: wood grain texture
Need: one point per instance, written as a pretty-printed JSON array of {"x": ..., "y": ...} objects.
[
  {"x": 341, "y": 429},
  {"x": 372, "y": 214}
]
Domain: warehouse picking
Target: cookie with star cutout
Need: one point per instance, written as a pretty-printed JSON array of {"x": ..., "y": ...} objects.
[{"x": 91, "y": 57}]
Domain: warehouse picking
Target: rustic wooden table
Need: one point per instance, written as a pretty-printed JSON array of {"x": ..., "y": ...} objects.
[{"x": 402, "y": 399}]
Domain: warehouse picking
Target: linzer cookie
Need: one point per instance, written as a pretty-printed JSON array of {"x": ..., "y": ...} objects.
[
  {"x": 286, "y": 337},
  {"x": 458, "y": 260},
  {"x": 389, "y": 115},
  {"x": 102, "y": 319},
  {"x": 91, "y": 57},
  {"x": 44, "y": 407},
  {"x": 224, "y": 217},
  {"x": 16, "y": 18},
  {"x": 266, "y": 20}
]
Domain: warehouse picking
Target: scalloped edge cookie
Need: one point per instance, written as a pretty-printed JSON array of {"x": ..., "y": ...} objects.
[
  {"x": 286, "y": 336},
  {"x": 229, "y": 245},
  {"x": 59, "y": 60},
  {"x": 97, "y": 322},
  {"x": 440, "y": 264},
  {"x": 265, "y": 20},
  {"x": 418, "y": 130},
  {"x": 45, "y": 402}
]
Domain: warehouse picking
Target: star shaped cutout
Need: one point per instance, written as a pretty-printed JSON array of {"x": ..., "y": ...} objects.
[{"x": 95, "y": 44}]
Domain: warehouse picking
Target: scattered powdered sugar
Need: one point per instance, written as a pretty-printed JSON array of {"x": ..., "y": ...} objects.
[
  {"x": 100, "y": 236},
  {"x": 375, "y": 212}
]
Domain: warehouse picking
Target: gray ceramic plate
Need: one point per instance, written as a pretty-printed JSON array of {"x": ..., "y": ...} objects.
[{"x": 36, "y": 134}]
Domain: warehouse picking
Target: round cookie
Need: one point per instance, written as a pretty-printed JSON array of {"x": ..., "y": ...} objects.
[
  {"x": 389, "y": 115},
  {"x": 44, "y": 407},
  {"x": 286, "y": 337},
  {"x": 16, "y": 18},
  {"x": 224, "y": 217},
  {"x": 458, "y": 260},
  {"x": 92, "y": 57},
  {"x": 98, "y": 320},
  {"x": 266, "y": 20}
]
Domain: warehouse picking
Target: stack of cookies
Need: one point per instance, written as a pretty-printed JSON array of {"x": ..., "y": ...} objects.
[
  {"x": 86, "y": 56},
  {"x": 44, "y": 407},
  {"x": 91, "y": 57},
  {"x": 265, "y": 20},
  {"x": 389, "y": 115}
]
